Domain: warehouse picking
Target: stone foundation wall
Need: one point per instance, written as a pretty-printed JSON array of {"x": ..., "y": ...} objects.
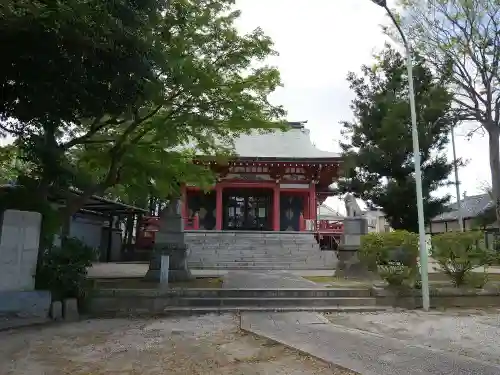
[{"x": 447, "y": 297}]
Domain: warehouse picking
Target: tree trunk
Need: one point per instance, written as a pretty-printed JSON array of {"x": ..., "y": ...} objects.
[{"x": 494, "y": 146}]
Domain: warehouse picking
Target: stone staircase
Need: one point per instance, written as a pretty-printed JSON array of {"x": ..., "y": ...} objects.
[
  {"x": 257, "y": 250},
  {"x": 123, "y": 302}
]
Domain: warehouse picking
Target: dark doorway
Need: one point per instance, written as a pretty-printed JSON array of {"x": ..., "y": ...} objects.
[
  {"x": 291, "y": 206},
  {"x": 247, "y": 209},
  {"x": 203, "y": 204}
]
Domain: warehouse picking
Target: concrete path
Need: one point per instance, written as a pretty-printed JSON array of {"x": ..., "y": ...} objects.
[
  {"x": 356, "y": 350},
  {"x": 265, "y": 280},
  {"x": 135, "y": 270},
  {"x": 360, "y": 351}
]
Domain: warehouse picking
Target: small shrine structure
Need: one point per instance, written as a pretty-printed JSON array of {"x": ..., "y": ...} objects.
[{"x": 276, "y": 183}]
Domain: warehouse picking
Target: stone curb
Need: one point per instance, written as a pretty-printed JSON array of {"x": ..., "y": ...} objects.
[{"x": 24, "y": 323}]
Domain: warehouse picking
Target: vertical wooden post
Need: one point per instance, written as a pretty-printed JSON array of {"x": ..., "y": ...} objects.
[
  {"x": 306, "y": 209},
  {"x": 276, "y": 208},
  {"x": 312, "y": 202},
  {"x": 218, "y": 207}
]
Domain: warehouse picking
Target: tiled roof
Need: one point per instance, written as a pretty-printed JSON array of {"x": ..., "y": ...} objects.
[
  {"x": 292, "y": 144},
  {"x": 470, "y": 207}
]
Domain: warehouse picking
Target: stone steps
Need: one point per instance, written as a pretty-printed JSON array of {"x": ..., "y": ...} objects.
[
  {"x": 275, "y": 301},
  {"x": 256, "y": 250},
  {"x": 124, "y": 302},
  {"x": 260, "y": 259},
  {"x": 266, "y": 252},
  {"x": 263, "y": 266},
  {"x": 189, "y": 311},
  {"x": 236, "y": 292}
]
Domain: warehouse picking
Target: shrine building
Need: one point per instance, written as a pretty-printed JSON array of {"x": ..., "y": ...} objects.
[
  {"x": 262, "y": 211},
  {"x": 275, "y": 184}
]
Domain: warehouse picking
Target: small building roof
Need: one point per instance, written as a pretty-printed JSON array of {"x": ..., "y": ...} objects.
[
  {"x": 325, "y": 212},
  {"x": 294, "y": 143},
  {"x": 95, "y": 204},
  {"x": 470, "y": 207}
]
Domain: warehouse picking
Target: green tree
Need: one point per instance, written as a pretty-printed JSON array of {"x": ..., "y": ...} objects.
[
  {"x": 210, "y": 84},
  {"x": 7, "y": 164},
  {"x": 462, "y": 39},
  {"x": 64, "y": 61},
  {"x": 378, "y": 149}
]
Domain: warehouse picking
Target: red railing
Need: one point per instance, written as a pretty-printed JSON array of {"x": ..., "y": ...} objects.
[
  {"x": 321, "y": 226},
  {"x": 192, "y": 223},
  {"x": 149, "y": 225},
  {"x": 329, "y": 226}
]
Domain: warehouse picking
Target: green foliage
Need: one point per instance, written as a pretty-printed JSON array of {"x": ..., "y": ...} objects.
[
  {"x": 477, "y": 279},
  {"x": 458, "y": 253},
  {"x": 63, "y": 270},
  {"x": 395, "y": 274},
  {"x": 378, "y": 150},
  {"x": 7, "y": 164},
  {"x": 393, "y": 254},
  {"x": 91, "y": 58},
  {"x": 196, "y": 83}
]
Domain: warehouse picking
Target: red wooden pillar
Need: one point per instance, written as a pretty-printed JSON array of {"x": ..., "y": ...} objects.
[
  {"x": 307, "y": 205},
  {"x": 312, "y": 202},
  {"x": 276, "y": 208},
  {"x": 218, "y": 207}
]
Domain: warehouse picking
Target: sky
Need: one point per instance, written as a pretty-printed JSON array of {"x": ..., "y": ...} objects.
[{"x": 319, "y": 42}]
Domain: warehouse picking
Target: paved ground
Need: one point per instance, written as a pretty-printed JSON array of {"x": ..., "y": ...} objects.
[
  {"x": 361, "y": 351},
  {"x": 466, "y": 332},
  {"x": 209, "y": 345},
  {"x": 368, "y": 352},
  {"x": 122, "y": 270},
  {"x": 396, "y": 343},
  {"x": 265, "y": 280}
]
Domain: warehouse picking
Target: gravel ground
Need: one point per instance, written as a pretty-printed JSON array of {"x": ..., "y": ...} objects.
[
  {"x": 471, "y": 333},
  {"x": 194, "y": 345}
]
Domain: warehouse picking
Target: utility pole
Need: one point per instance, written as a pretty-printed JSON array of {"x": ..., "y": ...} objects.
[
  {"x": 424, "y": 262},
  {"x": 457, "y": 181}
]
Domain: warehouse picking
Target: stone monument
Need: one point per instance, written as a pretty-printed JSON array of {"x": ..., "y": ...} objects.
[
  {"x": 354, "y": 228},
  {"x": 19, "y": 237},
  {"x": 169, "y": 240}
]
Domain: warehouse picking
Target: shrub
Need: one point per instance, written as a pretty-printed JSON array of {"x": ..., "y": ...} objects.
[
  {"x": 477, "y": 279},
  {"x": 392, "y": 254},
  {"x": 63, "y": 270},
  {"x": 458, "y": 253}
]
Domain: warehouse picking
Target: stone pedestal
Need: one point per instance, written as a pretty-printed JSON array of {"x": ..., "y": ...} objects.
[
  {"x": 169, "y": 240},
  {"x": 348, "y": 262}
]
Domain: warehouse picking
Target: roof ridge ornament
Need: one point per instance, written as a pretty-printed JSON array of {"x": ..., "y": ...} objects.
[{"x": 297, "y": 124}]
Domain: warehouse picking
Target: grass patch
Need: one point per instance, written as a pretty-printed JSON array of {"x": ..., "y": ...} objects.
[
  {"x": 140, "y": 283},
  {"x": 200, "y": 283},
  {"x": 334, "y": 281},
  {"x": 437, "y": 279}
]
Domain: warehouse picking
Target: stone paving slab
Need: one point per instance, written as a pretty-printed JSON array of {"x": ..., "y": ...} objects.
[
  {"x": 265, "y": 280},
  {"x": 135, "y": 270},
  {"x": 360, "y": 351}
]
